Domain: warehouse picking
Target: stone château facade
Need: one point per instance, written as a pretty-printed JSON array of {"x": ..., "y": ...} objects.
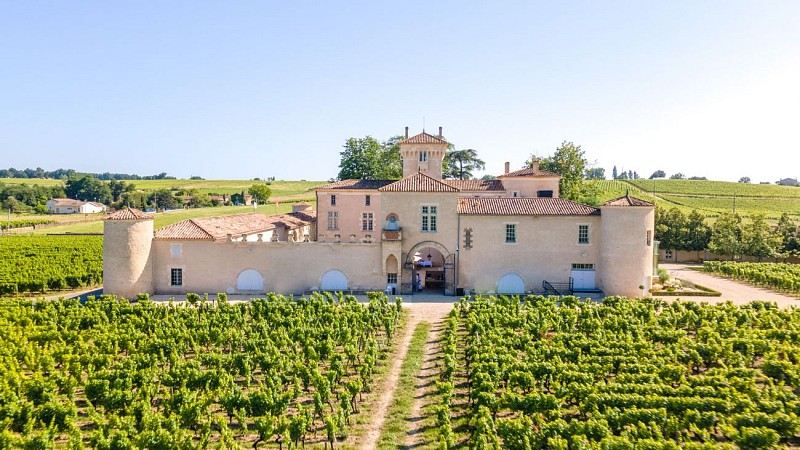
[{"x": 510, "y": 235}]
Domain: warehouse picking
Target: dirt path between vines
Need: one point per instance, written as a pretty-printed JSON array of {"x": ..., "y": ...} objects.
[
  {"x": 425, "y": 386},
  {"x": 421, "y": 309}
]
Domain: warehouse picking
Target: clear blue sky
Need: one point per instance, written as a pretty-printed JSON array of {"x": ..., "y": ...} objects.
[{"x": 256, "y": 89}]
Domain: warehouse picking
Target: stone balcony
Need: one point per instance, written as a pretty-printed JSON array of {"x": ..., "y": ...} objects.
[{"x": 392, "y": 235}]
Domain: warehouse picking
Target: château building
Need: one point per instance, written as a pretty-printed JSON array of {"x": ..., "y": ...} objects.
[{"x": 512, "y": 235}]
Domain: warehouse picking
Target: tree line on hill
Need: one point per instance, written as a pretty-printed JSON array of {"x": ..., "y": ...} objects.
[
  {"x": 22, "y": 198},
  {"x": 731, "y": 236},
  {"x": 65, "y": 174}
]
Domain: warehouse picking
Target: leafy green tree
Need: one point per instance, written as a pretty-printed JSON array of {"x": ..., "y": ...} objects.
[
  {"x": 366, "y": 158},
  {"x": 671, "y": 228},
  {"x": 163, "y": 199},
  {"x": 744, "y": 180},
  {"x": 758, "y": 239},
  {"x": 614, "y": 173},
  {"x": 118, "y": 188},
  {"x": 459, "y": 164},
  {"x": 726, "y": 236},
  {"x": 260, "y": 193},
  {"x": 596, "y": 173},
  {"x": 788, "y": 231},
  {"x": 569, "y": 162},
  {"x": 88, "y": 189},
  {"x": 677, "y": 176},
  {"x": 658, "y": 174},
  {"x": 698, "y": 232}
]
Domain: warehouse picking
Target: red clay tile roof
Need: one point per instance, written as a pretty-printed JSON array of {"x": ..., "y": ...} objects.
[
  {"x": 66, "y": 202},
  {"x": 475, "y": 185},
  {"x": 510, "y": 206},
  {"x": 185, "y": 229},
  {"x": 529, "y": 172},
  {"x": 128, "y": 214},
  {"x": 219, "y": 227},
  {"x": 423, "y": 138},
  {"x": 419, "y": 182},
  {"x": 627, "y": 200},
  {"x": 357, "y": 184}
]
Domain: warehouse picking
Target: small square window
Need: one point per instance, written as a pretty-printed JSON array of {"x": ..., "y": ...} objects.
[
  {"x": 176, "y": 277},
  {"x": 175, "y": 250},
  {"x": 391, "y": 278}
]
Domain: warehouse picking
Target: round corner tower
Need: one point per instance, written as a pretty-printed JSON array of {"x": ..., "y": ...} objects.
[
  {"x": 127, "y": 257},
  {"x": 627, "y": 246}
]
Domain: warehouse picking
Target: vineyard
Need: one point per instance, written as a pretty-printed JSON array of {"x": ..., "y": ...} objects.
[
  {"x": 623, "y": 374},
  {"x": 779, "y": 276},
  {"x": 715, "y": 188},
  {"x": 23, "y": 223},
  {"x": 37, "y": 264},
  {"x": 269, "y": 373},
  {"x": 715, "y": 197}
]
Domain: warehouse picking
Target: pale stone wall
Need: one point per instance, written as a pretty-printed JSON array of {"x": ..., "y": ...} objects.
[
  {"x": 546, "y": 248},
  {"x": 127, "y": 261},
  {"x": 408, "y": 208},
  {"x": 528, "y": 186},
  {"x": 287, "y": 267},
  {"x": 350, "y": 204},
  {"x": 431, "y": 166},
  {"x": 627, "y": 260}
]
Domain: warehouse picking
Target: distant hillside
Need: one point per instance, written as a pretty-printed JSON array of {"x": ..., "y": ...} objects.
[{"x": 711, "y": 197}]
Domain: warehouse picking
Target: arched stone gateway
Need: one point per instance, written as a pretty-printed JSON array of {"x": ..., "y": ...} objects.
[
  {"x": 431, "y": 266},
  {"x": 250, "y": 280},
  {"x": 511, "y": 284},
  {"x": 333, "y": 280}
]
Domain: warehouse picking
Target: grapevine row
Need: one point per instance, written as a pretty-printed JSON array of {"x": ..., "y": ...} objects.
[
  {"x": 628, "y": 373},
  {"x": 779, "y": 276},
  {"x": 111, "y": 374}
]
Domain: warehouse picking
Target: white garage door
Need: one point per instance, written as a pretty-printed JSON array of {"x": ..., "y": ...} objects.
[
  {"x": 511, "y": 284},
  {"x": 583, "y": 278},
  {"x": 250, "y": 280},
  {"x": 333, "y": 280}
]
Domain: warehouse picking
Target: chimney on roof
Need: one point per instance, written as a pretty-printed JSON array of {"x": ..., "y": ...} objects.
[
  {"x": 406, "y": 132},
  {"x": 508, "y": 167},
  {"x": 440, "y": 131}
]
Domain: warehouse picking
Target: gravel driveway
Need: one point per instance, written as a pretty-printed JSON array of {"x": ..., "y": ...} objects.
[{"x": 736, "y": 292}]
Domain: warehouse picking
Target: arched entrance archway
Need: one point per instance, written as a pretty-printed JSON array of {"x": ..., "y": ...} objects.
[
  {"x": 511, "y": 284},
  {"x": 333, "y": 280},
  {"x": 429, "y": 266},
  {"x": 250, "y": 280}
]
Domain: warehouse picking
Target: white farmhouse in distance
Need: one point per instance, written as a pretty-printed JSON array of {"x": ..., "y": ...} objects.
[
  {"x": 71, "y": 206},
  {"x": 513, "y": 235}
]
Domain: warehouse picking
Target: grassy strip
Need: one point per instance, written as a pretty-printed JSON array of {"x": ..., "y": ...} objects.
[
  {"x": 395, "y": 427},
  {"x": 382, "y": 369}
]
